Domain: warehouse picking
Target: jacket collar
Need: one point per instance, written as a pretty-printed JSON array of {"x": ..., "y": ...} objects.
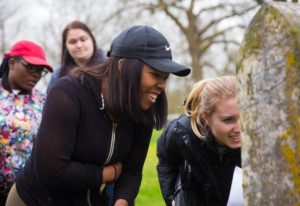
[
  {"x": 94, "y": 85},
  {"x": 212, "y": 145}
]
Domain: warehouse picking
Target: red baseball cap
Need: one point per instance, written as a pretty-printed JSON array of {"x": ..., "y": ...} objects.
[{"x": 30, "y": 52}]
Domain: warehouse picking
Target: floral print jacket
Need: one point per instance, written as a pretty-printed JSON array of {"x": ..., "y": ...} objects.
[{"x": 20, "y": 116}]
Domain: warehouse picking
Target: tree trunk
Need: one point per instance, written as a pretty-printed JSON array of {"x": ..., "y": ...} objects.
[{"x": 269, "y": 95}]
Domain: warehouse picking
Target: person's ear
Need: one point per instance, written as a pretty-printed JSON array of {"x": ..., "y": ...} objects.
[
  {"x": 11, "y": 64},
  {"x": 206, "y": 118},
  {"x": 120, "y": 64}
]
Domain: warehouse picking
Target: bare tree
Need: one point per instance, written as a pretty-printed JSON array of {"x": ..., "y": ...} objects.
[
  {"x": 63, "y": 12},
  {"x": 200, "y": 23},
  {"x": 262, "y": 1},
  {"x": 7, "y": 14},
  {"x": 195, "y": 27}
]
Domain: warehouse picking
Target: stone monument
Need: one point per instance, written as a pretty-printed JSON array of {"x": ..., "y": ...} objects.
[{"x": 268, "y": 73}]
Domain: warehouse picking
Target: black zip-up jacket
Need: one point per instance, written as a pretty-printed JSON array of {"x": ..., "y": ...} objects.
[
  {"x": 211, "y": 167},
  {"x": 75, "y": 140}
]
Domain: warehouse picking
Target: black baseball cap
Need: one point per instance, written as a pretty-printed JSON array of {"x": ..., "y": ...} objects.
[{"x": 148, "y": 45}]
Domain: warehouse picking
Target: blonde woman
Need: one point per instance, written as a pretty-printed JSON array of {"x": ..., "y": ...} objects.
[{"x": 202, "y": 147}]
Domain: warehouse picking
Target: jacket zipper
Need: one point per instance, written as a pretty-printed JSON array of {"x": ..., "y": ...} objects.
[
  {"x": 221, "y": 157},
  {"x": 112, "y": 144},
  {"x": 110, "y": 153},
  {"x": 88, "y": 197}
]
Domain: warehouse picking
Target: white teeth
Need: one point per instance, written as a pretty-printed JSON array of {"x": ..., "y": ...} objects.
[
  {"x": 235, "y": 138},
  {"x": 152, "y": 97}
]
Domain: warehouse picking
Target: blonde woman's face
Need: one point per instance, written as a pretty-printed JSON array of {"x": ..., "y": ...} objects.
[{"x": 224, "y": 123}]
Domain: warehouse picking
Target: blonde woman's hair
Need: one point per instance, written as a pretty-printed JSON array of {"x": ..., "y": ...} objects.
[{"x": 203, "y": 98}]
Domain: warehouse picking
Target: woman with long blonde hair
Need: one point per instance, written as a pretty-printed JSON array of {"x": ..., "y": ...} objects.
[{"x": 202, "y": 147}]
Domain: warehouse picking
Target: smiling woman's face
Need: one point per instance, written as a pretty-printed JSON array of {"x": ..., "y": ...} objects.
[
  {"x": 153, "y": 82},
  {"x": 224, "y": 123}
]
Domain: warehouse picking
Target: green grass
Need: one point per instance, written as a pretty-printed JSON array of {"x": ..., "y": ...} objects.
[{"x": 149, "y": 194}]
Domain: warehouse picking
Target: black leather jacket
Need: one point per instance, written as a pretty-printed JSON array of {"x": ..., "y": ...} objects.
[{"x": 211, "y": 167}]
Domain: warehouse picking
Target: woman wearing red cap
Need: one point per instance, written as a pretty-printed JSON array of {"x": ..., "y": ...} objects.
[
  {"x": 97, "y": 124},
  {"x": 20, "y": 108}
]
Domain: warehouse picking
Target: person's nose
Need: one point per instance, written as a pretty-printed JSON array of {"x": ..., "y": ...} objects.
[
  {"x": 162, "y": 84},
  {"x": 78, "y": 44},
  {"x": 237, "y": 127}
]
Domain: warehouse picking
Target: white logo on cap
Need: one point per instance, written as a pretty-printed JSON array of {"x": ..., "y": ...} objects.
[{"x": 168, "y": 48}]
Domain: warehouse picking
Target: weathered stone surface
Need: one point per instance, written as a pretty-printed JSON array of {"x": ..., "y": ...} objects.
[{"x": 269, "y": 95}]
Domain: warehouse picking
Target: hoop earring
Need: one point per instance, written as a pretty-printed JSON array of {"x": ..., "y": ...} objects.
[{"x": 102, "y": 101}]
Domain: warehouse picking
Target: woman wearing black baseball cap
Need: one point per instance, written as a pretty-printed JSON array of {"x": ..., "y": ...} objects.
[{"x": 97, "y": 125}]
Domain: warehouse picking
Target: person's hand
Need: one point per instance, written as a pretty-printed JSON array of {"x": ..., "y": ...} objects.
[
  {"x": 118, "y": 168},
  {"x": 112, "y": 172},
  {"x": 121, "y": 202}
]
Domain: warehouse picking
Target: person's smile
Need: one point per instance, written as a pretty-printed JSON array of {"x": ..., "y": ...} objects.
[
  {"x": 235, "y": 139},
  {"x": 152, "y": 97}
]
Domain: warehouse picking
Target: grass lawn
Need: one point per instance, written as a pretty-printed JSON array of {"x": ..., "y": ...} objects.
[{"x": 149, "y": 194}]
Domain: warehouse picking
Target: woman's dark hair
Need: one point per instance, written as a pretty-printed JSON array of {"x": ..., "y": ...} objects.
[
  {"x": 4, "y": 67},
  {"x": 67, "y": 62},
  {"x": 4, "y": 70},
  {"x": 124, "y": 91}
]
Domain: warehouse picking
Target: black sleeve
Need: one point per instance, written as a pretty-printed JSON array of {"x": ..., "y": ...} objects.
[
  {"x": 129, "y": 182},
  {"x": 56, "y": 140},
  {"x": 169, "y": 161}
]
